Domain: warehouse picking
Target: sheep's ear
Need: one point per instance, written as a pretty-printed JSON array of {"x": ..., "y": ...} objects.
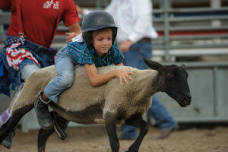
[{"x": 152, "y": 64}]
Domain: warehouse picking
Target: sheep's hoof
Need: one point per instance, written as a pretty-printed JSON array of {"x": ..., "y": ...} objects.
[
  {"x": 132, "y": 150},
  {"x": 8, "y": 140}
]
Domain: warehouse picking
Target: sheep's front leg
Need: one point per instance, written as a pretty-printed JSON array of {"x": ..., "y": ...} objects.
[
  {"x": 138, "y": 122},
  {"x": 110, "y": 125}
]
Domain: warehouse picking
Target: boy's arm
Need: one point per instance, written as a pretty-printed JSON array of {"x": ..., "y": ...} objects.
[
  {"x": 100, "y": 79},
  {"x": 95, "y": 78}
]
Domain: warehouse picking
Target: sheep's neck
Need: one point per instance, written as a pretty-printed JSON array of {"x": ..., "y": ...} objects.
[{"x": 146, "y": 83}]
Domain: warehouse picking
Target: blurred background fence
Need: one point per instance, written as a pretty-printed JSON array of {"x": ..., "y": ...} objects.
[{"x": 194, "y": 33}]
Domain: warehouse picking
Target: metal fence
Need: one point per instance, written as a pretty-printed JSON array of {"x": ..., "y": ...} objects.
[
  {"x": 184, "y": 32},
  {"x": 191, "y": 31}
]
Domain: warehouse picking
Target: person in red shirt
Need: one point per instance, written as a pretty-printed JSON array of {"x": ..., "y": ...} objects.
[{"x": 30, "y": 34}]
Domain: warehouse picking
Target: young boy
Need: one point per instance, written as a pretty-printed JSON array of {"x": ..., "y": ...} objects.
[{"x": 96, "y": 48}]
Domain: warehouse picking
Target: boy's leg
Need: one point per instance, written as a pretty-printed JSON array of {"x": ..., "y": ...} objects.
[{"x": 63, "y": 80}]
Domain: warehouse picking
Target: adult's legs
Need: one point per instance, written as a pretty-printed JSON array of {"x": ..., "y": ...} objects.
[
  {"x": 27, "y": 70},
  {"x": 134, "y": 57},
  {"x": 162, "y": 117},
  {"x": 128, "y": 132}
]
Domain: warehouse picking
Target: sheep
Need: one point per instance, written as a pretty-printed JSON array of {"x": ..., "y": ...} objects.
[{"x": 107, "y": 104}]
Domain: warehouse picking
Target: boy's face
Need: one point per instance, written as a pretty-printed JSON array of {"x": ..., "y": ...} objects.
[{"x": 102, "y": 41}]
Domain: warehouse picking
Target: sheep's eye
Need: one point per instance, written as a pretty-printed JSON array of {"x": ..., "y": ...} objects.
[{"x": 170, "y": 75}]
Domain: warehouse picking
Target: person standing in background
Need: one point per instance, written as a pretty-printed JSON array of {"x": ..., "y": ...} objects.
[
  {"x": 135, "y": 33},
  {"x": 29, "y": 37}
]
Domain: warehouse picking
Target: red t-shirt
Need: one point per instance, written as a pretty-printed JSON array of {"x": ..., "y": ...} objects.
[
  {"x": 40, "y": 18},
  {"x": 5, "y": 4}
]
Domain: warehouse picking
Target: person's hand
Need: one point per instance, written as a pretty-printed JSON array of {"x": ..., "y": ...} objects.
[
  {"x": 79, "y": 9},
  {"x": 124, "y": 75},
  {"x": 124, "y": 47},
  {"x": 70, "y": 35}
]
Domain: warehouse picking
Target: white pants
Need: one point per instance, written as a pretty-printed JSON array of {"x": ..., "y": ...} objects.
[{"x": 27, "y": 70}]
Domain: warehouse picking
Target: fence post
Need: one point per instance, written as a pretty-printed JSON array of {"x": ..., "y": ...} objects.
[
  {"x": 101, "y": 3},
  {"x": 215, "y": 5},
  {"x": 166, "y": 4},
  {"x": 98, "y": 4}
]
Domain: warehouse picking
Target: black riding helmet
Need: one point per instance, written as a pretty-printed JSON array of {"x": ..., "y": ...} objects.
[{"x": 97, "y": 20}]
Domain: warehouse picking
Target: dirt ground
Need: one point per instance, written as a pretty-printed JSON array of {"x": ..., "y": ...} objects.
[{"x": 94, "y": 139}]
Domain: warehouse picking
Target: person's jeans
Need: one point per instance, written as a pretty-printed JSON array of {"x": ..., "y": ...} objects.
[
  {"x": 134, "y": 58},
  {"x": 162, "y": 117},
  {"x": 64, "y": 77}
]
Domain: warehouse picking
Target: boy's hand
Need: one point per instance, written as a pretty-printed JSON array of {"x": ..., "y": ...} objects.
[{"x": 124, "y": 75}]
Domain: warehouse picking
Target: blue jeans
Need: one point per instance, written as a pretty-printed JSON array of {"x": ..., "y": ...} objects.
[
  {"x": 64, "y": 76},
  {"x": 134, "y": 58}
]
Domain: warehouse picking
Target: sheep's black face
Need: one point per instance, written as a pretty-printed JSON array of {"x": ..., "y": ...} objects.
[
  {"x": 176, "y": 84},
  {"x": 173, "y": 81}
]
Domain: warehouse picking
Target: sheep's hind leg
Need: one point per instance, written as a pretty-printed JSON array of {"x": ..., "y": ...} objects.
[
  {"x": 110, "y": 125},
  {"x": 138, "y": 122}
]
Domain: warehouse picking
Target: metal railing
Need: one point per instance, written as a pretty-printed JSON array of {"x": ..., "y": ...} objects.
[{"x": 190, "y": 31}]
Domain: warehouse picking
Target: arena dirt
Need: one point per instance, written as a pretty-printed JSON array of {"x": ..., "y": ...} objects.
[{"x": 94, "y": 139}]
